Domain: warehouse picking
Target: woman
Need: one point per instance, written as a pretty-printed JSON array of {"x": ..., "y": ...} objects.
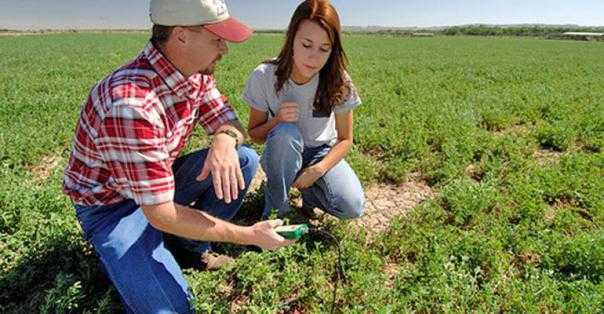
[{"x": 301, "y": 106}]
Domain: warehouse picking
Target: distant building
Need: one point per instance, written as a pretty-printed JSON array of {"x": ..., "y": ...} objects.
[{"x": 583, "y": 35}]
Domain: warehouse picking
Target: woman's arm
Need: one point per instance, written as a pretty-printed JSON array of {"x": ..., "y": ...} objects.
[
  {"x": 259, "y": 125},
  {"x": 343, "y": 145},
  {"x": 344, "y": 127}
]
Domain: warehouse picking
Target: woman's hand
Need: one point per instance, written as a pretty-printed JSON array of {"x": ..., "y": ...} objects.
[
  {"x": 308, "y": 177},
  {"x": 288, "y": 112}
]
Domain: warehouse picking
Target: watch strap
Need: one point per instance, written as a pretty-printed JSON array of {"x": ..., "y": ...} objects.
[{"x": 232, "y": 134}]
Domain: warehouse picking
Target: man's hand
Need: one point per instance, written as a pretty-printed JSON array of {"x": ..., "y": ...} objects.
[
  {"x": 265, "y": 236},
  {"x": 288, "y": 112},
  {"x": 308, "y": 177},
  {"x": 222, "y": 163}
]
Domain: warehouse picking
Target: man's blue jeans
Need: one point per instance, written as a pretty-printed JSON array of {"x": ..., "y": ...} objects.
[
  {"x": 132, "y": 251},
  {"x": 338, "y": 192}
]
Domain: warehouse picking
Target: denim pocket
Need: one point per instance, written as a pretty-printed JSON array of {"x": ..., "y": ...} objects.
[
  {"x": 84, "y": 215},
  {"x": 93, "y": 218}
]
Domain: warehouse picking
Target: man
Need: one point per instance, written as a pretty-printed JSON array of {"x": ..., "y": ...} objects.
[{"x": 124, "y": 177}]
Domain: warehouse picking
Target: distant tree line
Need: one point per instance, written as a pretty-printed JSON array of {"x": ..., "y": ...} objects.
[
  {"x": 545, "y": 31},
  {"x": 531, "y": 30}
]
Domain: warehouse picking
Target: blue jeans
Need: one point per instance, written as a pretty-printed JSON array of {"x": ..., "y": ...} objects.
[
  {"x": 132, "y": 252},
  {"x": 338, "y": 192}
]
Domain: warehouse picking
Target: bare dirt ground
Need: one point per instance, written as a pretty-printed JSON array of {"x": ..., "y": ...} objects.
[
  {"x": 44, "y": 168},
  {"x": 386, "y": 201},
  {"x": 545, "y": 156}
]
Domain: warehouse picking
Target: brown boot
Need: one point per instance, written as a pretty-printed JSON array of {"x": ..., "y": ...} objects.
[{"x": 215, "y": 261}]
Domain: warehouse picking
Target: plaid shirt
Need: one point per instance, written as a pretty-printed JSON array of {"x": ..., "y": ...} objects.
[{"x": 133, "y": 126}]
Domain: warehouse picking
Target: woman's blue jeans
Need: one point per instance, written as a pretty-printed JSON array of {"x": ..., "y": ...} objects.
[
  {"x": 132, "y": 251},
  {"x": 338, "y": 192}
]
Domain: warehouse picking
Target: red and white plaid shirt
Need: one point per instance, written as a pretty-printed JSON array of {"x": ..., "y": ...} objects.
[{"x": 133, "y": 126}]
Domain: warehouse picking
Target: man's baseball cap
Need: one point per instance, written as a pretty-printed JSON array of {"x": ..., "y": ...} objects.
[{"x": 212, "y": 14}]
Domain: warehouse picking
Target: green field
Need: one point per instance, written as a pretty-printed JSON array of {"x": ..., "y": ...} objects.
[{"x": 507, "y": 131}]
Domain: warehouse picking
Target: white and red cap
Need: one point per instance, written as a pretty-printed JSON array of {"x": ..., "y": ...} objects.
[{"x": 213, "y": 15}]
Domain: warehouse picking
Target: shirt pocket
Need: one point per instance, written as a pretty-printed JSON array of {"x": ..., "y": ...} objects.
[{"x": 318, "y": 114}]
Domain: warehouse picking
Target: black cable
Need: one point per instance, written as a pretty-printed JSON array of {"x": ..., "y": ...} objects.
[{"x": 340, "y": 275}]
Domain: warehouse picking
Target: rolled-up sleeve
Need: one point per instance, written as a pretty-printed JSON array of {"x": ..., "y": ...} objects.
[{"x": 352, "y": 99}]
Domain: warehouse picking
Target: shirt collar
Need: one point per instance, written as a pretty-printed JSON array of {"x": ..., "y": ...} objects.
[{"x": 171, "y": 76}]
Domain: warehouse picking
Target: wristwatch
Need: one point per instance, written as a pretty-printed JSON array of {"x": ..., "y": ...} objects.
[{"x": 232, "y": 134}]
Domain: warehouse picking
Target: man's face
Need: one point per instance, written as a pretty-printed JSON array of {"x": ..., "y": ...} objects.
[{"x": 203, "y": 49}]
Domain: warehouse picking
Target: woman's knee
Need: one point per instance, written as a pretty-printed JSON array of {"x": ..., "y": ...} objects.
[
  {"x": 285, "y": 134},
  {"x": 284, "y": 146},
  {"x": 351, "y": 207},
  {"x": 248, "y": 160},
  {"x": 247, "y": 156}
]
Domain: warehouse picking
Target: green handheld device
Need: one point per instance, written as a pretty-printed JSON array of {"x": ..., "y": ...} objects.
[{"x": 292, "y": 232}]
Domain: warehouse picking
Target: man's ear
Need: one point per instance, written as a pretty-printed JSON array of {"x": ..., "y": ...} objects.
[{"x": 180, "y": 34}]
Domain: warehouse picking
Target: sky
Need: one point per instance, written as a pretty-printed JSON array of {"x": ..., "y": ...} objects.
[{"x": 265, "y": 14}]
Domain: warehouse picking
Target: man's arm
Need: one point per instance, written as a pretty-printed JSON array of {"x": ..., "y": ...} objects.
[{"x": 193, "y": 224}]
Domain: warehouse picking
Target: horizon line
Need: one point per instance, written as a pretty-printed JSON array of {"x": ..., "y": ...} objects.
[{"x": 3, "y": 28}]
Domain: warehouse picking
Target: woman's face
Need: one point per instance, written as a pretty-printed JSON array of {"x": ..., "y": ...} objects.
[{"x": 312, "y": 49}]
